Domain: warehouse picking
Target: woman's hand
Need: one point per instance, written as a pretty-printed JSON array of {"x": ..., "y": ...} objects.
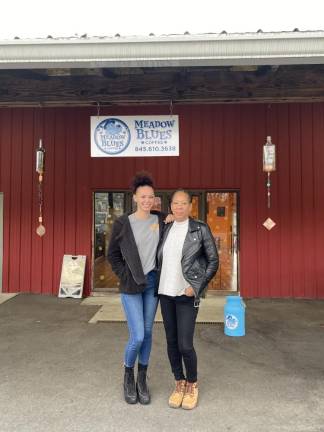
[
  {"x": 169, "y": 219},
  {"x": 189, "y": 292}
]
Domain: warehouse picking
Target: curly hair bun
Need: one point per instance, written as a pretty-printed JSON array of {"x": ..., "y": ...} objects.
[{"x": 141, "y": 178}]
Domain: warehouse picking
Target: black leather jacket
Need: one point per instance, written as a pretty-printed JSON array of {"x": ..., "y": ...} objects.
[
  {"x": 124, "y": 257},
  {"x": 199, "y": 255}
]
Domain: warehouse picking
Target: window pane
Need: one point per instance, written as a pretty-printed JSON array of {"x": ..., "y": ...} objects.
[
  {"x": 221, "y": 218},
  {"x": 108, "y": 207},
  {"x": 157, "y": 203},
  {"x": 195, "y": 207}
]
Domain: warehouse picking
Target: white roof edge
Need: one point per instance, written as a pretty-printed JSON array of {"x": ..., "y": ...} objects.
[{"x": 172, "y": 50}]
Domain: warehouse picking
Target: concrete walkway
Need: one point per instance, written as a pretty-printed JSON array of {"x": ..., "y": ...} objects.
[
  {"x": 60, "y": 373},
  {"x": 211, "y": 309}
]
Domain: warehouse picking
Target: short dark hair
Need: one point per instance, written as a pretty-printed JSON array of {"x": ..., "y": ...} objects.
[
  {"x": 141, "y": 178},
  {"x": 181, "y": 190}
]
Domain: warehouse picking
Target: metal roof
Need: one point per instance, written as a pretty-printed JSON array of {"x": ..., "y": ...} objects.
[{"x": 222, "y": 49}]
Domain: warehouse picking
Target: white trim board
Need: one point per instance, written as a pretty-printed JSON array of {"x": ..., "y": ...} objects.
[{"x": 278, "y": 48}]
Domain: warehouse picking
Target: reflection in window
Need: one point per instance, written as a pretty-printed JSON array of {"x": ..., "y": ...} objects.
[
  {"x": 157, "y": 203},
  {"x": 108, "y": 207},
  {"x": 195, "y": 207}
]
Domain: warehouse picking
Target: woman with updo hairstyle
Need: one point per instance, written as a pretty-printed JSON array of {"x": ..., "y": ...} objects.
[{"x": 132, "y": 255}]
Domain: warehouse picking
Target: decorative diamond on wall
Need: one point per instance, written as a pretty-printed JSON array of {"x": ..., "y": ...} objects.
[{"x": 269, "y": 224}]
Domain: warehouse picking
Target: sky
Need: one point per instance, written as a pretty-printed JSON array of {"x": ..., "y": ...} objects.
[{"x": 66, "y": 18}]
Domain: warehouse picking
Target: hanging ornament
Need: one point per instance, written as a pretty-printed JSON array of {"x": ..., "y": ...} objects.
[
  {"x": 269, "y": 166},
  {"x": 40, "y": 166}
]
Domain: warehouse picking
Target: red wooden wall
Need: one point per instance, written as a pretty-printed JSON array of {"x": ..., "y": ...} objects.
[{"x": 221, "y": 147}]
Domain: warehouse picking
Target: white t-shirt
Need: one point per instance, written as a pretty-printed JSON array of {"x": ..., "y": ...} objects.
[{"x": 172, "y": 282}]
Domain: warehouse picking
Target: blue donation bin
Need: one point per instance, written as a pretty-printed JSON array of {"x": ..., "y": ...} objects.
[{"x": 234, "y": 316}]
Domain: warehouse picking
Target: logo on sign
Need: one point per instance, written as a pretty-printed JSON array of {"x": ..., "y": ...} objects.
[
  {"x": 231, "y": 322},
  {"x": 112, "y": 136}
]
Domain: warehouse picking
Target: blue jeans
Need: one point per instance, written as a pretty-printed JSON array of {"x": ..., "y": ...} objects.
[{"x": 140, "y": 311}]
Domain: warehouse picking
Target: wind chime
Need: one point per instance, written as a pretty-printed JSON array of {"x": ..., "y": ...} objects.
[
  {"x": 269, "y": 166},
  {"x": 40, "y": 165}
]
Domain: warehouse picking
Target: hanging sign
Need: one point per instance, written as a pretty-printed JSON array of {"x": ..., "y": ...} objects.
[{"x": 129, "y": 136}]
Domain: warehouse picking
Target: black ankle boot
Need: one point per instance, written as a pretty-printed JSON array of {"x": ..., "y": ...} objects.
[
  {"x": 141, "y": 386},
  {"x": 130, "y": 393}
]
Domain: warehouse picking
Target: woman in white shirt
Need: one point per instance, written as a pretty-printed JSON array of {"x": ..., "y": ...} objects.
[{"x": 187, "y": 261}]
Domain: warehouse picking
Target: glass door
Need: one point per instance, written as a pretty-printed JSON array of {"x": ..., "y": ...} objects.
[
  {"x": 221, "y": 216},
  {"x": 218, "y": 209}
]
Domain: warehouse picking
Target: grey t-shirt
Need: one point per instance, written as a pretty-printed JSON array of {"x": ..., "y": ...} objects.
[{"x": 146, "y": 233}]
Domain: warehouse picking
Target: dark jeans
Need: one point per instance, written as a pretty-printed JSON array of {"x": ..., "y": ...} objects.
[{"x": 179, "y": 318}]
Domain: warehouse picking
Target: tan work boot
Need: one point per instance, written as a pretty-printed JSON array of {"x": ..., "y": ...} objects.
[
  {"x": 190, "y": 398},
  {"x": 175, "y": 400}
]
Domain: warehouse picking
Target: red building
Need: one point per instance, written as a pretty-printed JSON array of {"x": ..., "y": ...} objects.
[{"x": 227, "y": 105}]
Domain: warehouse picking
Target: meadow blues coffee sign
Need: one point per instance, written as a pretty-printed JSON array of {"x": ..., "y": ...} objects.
[{"x": 122, "y": 136}]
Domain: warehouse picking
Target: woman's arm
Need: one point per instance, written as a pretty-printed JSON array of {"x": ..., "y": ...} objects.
[{"x": 166, "y": 218}]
